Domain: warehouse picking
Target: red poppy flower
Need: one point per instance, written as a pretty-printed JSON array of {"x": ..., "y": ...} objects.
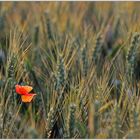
[
  {"x": 23, "y": 89},
  {"x": 27, "y": 97},
  {"x": 24, "y": 92}
]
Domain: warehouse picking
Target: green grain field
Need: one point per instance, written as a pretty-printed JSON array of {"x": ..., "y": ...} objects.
[{"x": 82, "y": 60}]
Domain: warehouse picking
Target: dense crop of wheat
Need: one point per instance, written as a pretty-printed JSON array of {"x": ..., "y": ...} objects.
[{"x": 82, "y": 60}]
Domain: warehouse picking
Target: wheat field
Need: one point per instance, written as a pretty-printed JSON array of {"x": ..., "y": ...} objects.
[{"x": 82, "y": 60}]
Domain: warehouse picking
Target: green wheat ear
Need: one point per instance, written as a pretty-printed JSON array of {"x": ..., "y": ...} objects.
[
  {"x": 97, "y": 54},
  {"x": 131, "y": 56},
  {"x": 61, "y": 75},
  {"x": 133, "y": 116},
  {"x": 84, "y": 112},
  {"x": 50, "y": 122},
  {"x": 11, "y": 67},
  {"x": 116, "y": 122},
  {"x": 85, "y": 60},
  {"x": 97, "y": 50},
  {"x": 11, "y": 76},
  {"x": 71, "y": 122},
  {"x": 48, "y": 25},
  {"x": 96, "y": 117}
]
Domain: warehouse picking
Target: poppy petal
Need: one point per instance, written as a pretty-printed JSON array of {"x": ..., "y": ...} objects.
[
  {"x": 27, "y": 98},
  {"x": 27, "y": 88},
  {"x": 20, "y": 90}
]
